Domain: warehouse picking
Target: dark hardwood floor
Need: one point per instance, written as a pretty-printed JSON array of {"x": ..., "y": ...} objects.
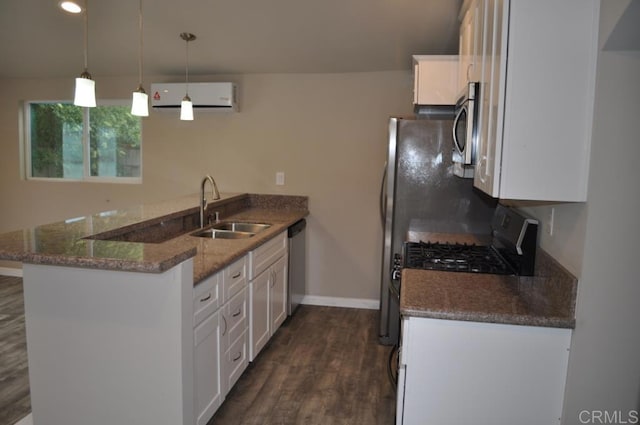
[
  {"x": 323, "y": 366},
  {"x": 15, "y": 402}
]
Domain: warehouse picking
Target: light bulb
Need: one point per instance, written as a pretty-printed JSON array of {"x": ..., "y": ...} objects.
[
  {"x": 85, "y": 94},
  {"x": 71, "y": 7},
  {"x": 140, "y": 103},
  {"x": 186, "y": 109}
]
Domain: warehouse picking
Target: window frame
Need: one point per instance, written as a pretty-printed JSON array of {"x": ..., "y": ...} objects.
[{"x": 86, "y": 167}]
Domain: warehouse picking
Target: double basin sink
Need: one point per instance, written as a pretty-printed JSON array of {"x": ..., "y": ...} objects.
[
  {"x": 231, "y": 230},
  {"x": 171, "y": 228}
]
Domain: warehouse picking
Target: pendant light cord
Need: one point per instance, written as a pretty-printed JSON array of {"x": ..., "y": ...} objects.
[
  {"x": 140, "y": 23},
  {"x": 187, "y": 69},
  {"x": 86, "y": 36}
]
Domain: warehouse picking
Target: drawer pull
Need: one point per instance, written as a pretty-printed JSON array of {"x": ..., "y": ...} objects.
[
  {"x": 224, "y": 332},
  {"x": 238, "y": 357},
  {"x": 237, "y": 275},
  {"x": 237, "y": 313},
  {"x": 208, "y": 297}
]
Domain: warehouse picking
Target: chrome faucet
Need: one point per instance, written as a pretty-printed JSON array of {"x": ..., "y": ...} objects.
[{"x": 203, "y": 200}]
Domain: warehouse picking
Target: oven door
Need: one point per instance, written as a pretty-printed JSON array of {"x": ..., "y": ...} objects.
[{"x": 465, "y": 127}]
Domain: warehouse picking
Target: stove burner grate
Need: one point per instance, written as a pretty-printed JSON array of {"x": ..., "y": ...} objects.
[{"x": 454, "y": 257}]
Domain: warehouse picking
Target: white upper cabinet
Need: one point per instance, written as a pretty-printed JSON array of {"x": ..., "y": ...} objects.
[
  {"x": 537, "y": 78},
  {"x": 435, "y": 80},
  {"x": 469, "y": 44}
]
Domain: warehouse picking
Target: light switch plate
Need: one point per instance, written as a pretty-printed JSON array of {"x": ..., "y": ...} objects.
[{"x": 280, "y": 178}]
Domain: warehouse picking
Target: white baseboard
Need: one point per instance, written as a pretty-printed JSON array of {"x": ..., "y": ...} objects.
[
  {"x": 341, "y": 302},
  {"x": 27, "y": 420},
  {"x": 10, "y": 271}
]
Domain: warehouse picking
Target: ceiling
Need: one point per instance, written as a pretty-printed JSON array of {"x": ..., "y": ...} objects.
[{"x": 233, "y": 36}]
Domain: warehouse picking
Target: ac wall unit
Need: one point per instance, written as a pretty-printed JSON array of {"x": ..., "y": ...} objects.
[{"x": 221, "y": 96}]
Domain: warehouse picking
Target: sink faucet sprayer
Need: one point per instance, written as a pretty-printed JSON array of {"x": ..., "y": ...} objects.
[{"x": 203, "y": 200}]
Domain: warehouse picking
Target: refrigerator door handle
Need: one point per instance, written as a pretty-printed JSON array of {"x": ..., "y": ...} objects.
[{"x": 383, "y": 198}]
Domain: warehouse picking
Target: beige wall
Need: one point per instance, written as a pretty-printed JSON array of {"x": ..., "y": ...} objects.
[{"x": 327, "y": 132}]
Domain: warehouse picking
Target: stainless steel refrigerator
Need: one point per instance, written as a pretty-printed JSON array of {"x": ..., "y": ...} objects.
[{"x": 420, "y": 192}]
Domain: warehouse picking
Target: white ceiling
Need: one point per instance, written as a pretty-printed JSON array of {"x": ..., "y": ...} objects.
[{"x": 233, "y": 36}]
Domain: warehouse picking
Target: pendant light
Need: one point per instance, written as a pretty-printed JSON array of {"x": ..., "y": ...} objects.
[
  {"x": 140, "y": 100},
  {"x": 70, "y": 7},
  {"x": 186, "y": 106},
  {"x": 85, "y": 94}
]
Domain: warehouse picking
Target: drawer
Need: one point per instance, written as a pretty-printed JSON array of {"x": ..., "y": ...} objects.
[
  {"x": 235, "y": 361},
  {"x": 234, "y": 319},
  {"x": 234, "y": 278},
  {"x": 265, "y": 255},
  {"x": 206, "y": 298}
]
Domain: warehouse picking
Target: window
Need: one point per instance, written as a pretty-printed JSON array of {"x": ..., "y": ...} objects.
[{"x": 68, "y": 142}]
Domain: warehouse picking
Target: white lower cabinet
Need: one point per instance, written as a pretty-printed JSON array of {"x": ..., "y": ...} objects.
[
  {"x": 455, "y": 372},
  {"x": 233, "y": 322},
  {"x": 267, "y": 292},
  {"x": 278, "y": 294},
  {"x": 220, "y": 337},
  {"x": 233, "y": 340},
  {"x": 208, "y": 393},
  {"x": 259, "y": 326}
]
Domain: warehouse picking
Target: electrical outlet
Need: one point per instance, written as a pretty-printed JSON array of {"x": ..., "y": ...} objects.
[
  {"x": 549, "y": 224},
  {"x": 280, "y": 178}
]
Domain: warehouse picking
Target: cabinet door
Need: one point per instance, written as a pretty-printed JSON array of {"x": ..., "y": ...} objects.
[
  {"x": 208, "y": 395},
  {"x": 469, "y": 45},
  {"x": 259, "y": 312},
  {"x": 435, "y": 79},
  {"x": 495, "y": 374},
  {"x": 278, "y": 293},
  {"x": 532, "y": 145},
  {"x": 492, "y": 88}
]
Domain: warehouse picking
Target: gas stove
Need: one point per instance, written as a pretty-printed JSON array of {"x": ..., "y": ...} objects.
[
  {"x": 454, "y": 257},
  {"x": 512, "y": 250}
]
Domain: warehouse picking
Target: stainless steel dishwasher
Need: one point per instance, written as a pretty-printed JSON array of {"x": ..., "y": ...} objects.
[{"x": 297, "y": 259}]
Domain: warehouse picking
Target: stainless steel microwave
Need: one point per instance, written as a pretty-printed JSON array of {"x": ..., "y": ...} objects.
[{"x": 465, "y": 130}]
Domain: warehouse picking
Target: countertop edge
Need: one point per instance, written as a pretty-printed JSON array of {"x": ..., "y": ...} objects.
[
  {"x": 110, "y": 263},
  {"x": 502, "y": 319}
]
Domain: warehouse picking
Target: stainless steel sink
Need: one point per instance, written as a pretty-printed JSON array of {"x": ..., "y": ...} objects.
[
  {"x": 231, "y": 230},
  {"x": 236, "y": 226},
  {"x": 222, "y": 234}
]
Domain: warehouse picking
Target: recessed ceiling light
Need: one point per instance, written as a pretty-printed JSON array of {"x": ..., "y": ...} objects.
[{"x": 70, "y": 6}]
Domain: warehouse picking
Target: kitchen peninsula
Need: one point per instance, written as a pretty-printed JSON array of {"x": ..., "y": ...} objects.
[{"x": 120, "y": 305}]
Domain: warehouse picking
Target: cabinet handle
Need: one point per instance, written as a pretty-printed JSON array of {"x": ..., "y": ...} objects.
[
  {"x": 237, "y": 313},
  {"x": 208, "y": 297},
  {"x": 237, "y": 275},
  {"x": 225, "y": 325},
  {"x": 238, "y": 357},
  {"x": 469, "y": 67}
]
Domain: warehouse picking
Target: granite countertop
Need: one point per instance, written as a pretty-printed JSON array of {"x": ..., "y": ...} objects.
[
  {"x": 545, "y": 299},
  {"x": 66, "y": 243}
]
